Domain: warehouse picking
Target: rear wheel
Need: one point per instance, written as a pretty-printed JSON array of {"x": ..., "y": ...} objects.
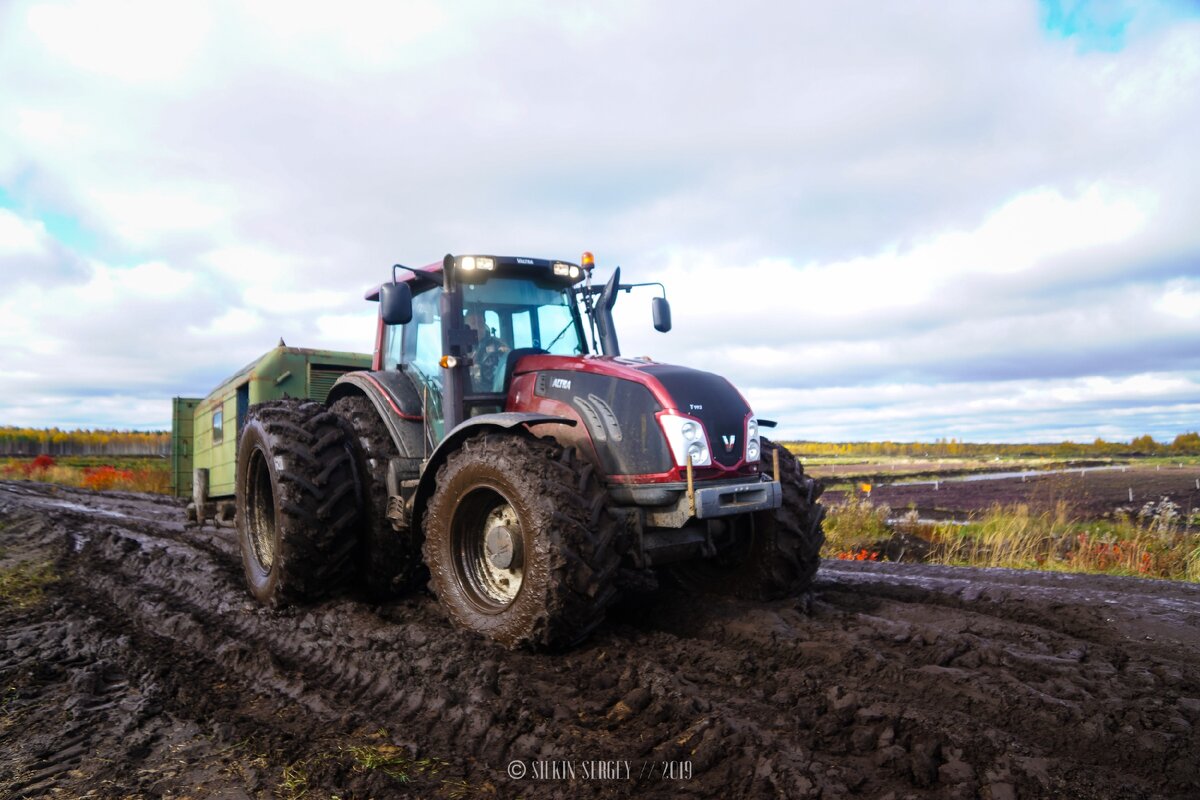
[
  {"x": 771, "y": 554},
  {"x": 296, "y": 502},
  {"x": 518, "y": 542},
  {"x": 389, "y": 559}
]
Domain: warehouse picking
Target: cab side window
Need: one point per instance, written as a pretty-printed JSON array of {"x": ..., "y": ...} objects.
[{"x": 423, "y": 336}]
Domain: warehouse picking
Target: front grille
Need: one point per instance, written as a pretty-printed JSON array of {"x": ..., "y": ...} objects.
[{"x": 712, "y": 400}]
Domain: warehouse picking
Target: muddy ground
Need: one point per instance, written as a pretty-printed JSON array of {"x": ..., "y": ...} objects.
[
  {"x": 147, "y": 672},
  {"x": 1094, "y": 494}
]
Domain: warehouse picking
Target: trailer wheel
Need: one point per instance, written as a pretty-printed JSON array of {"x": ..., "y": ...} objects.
[
  {"x": 389, "y": 559},
  {"x": 772, "y": 554},
  {"x": 296, "y": 502},
  {"x": 518, "y": 542}
]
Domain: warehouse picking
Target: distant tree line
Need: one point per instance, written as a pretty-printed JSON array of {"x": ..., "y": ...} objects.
[
  {"x": 55, "y": 442},
  {"x": 1185, "y": 444}
]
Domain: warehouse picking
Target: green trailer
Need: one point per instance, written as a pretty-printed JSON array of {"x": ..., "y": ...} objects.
[{"x": 204, "y": 431}]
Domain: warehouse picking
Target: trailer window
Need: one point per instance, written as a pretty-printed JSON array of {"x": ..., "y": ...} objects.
[{"x": 218, "y": 433}]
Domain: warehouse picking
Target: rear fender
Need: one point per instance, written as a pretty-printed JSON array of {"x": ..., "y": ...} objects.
[{"x": 397, "y": 401}]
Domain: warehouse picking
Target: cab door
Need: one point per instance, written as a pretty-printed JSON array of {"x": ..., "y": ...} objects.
[{"x": 417, "y": 348}]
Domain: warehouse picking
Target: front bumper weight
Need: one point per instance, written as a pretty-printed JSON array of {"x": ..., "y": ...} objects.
[{"x": 723, "y": 501}]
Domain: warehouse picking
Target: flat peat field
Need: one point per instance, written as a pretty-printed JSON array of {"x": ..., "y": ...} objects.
[{"x": 1091, "y": 494}]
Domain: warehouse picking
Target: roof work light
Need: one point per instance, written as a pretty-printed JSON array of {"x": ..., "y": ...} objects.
[{"x": 468, "y": 263}]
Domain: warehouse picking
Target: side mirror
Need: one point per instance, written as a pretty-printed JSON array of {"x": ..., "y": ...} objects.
[
  {"x": 395, "y": 303},
  {"x": 662, "y": 314}
]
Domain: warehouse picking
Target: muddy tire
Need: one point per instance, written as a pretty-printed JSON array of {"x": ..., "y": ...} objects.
[
  {"x": 296, "y": 502},
  {"x": 388, "y": 560},
  {"x": 518, "y": 542},
  {"x": 775, "y": 553}
]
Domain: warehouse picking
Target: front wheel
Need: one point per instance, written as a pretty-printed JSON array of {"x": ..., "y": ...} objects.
[
  {"x": 771, "y": 554},
  {"x": 518, "y": 543}
]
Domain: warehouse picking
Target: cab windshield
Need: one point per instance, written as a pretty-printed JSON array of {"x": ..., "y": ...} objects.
[
  {"x": 518, "y": 313},
  {"x": 511, "y": 317}
]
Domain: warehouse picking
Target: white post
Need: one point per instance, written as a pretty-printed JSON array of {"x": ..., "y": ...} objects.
[{"x": 1131, "y": 494}]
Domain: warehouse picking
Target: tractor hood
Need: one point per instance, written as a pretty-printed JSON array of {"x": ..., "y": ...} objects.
[{"x": 704, "y": 396}]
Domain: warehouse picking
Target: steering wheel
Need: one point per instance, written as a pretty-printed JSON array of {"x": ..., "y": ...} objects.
[{"x": 489, "y": 355}]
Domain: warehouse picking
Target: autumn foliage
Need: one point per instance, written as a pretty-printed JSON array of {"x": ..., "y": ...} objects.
[
  {"x": 135, "y": 475},
  {"x": 104, "y": 478},
  {"x": 863, "y": 554}
]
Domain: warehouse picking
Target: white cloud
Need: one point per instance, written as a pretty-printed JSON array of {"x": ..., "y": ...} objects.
[
  {"x": 235, "y": 321},
  {"x": 136, "y": 41},
  {"x": 144, "y": 217},
  {"x": 849, "y": 198},
  {"x": 20, "y": 237},
  {"x": 985, "y": 410},
  {"x": 1181, "y": 298}
]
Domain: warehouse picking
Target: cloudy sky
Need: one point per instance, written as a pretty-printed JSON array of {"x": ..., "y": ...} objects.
[{"x": 880, "y": 220}]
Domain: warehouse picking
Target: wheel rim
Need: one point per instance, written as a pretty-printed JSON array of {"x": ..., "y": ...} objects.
[
  {"x": 489, "y": 552},
  {"x": 260, "y": 511}
]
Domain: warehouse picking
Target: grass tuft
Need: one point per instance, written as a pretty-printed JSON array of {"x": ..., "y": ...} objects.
[
  {"x": 24, "y": 585},
  {"x": 294, "y": 783},
  {"x": 395, "y": 762},
  {"x": 854, "y": 525}
]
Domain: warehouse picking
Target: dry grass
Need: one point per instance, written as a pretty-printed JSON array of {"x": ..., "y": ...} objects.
[
  {"x": 1155, "y": 541},
  {"x": 855, "y": 525}
]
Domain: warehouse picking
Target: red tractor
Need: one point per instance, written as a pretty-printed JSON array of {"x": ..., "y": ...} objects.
[{"x": 533, "y": 474}]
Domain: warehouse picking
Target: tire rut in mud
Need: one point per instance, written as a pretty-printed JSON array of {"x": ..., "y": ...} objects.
[{"x": 149, "y": 671}]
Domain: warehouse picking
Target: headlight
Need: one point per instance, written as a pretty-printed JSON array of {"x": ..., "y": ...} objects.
[
  {"x": 753, "y": 445},
  {"x": 566, "y": 270},
  {"x": 468, "y": 263},
  {"x": 686, "y": 437}
]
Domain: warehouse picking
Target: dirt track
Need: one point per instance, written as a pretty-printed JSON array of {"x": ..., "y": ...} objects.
[{"x": 148, "y": 672}]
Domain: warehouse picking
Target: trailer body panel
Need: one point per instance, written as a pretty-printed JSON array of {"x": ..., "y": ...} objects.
[
  {"x": 281, "y": 372},
  {"x": 183, "y": 412}
]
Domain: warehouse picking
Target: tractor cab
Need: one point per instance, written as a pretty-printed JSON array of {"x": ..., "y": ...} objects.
[{"x": 470, "y": 320}]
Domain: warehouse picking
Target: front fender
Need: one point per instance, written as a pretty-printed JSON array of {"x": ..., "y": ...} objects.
[{"x": 502, "y": 421}]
